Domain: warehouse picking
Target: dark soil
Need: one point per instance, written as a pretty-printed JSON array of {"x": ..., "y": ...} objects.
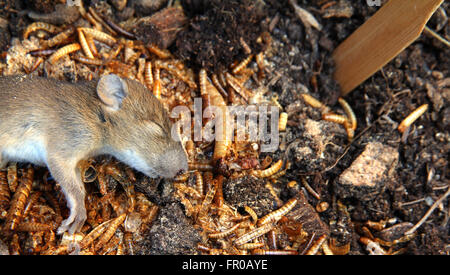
[{"x": 299, "y": 60}]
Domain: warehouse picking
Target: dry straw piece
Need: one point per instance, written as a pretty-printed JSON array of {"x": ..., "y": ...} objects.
[{"x": 388, "y": 32}]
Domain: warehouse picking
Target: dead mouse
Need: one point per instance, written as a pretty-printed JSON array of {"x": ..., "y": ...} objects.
[{"x": 56, "y": 124}]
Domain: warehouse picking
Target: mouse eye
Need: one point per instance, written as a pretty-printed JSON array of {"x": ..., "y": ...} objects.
[{"x": 155, "y": 128}]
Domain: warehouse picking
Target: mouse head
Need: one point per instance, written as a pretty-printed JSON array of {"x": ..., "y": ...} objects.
[{"x": 138, "y": 129}]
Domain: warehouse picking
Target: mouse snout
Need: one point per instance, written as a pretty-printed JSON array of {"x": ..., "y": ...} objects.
[{"x": 173, "y": 163}]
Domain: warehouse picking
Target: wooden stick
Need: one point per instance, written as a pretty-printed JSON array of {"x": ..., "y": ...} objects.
[{"x": 382, "y": 37}]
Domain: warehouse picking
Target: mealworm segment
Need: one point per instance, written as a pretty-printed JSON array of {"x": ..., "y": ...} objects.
[
  {"x": 282, "y": 122},
  {"x": 40, "y": 26},
  {"x": 409, "y": 120},
  {"x": 84, "y": 45},
  {"x": 63, "y": 51},
  {"x": 269, "y": 171},
  {"x": 277, "y": 214},
  {"x": 259, "y": 231},
  {"x": 350, "y": 114}
]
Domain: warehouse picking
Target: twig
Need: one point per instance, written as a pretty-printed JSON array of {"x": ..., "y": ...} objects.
[
  {"x": 411, "y": 202},
  {"x": 424, "y": 218},
  {"x": 310, "y": 189},
  {"x": 437, "y": 36}
]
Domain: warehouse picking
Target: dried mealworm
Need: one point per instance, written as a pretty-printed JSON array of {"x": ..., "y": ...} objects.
[
  {"x": 203, "y": 248},
  {"x": 190, "y": 210},
  {"x": 132, "y": 59},
  {"x": 282, "y": 121},
  {"x": 313, "y": 102},
  {"x": 200, "y": 166},
  {"x": 63, "y": 51},
  {"x": 277, "y": 214},
  {"x": 31, "y": 201},
  {"x": 259, "y": 231},
  {"x": 157, "y": 83},
  {"x": 59, "y": 38},
  {"x": 207, "y": 201},
  {"x": 5, "y": 195},
  {"x": 128, "y": 240},
  {"x": 178, "y": 69},
  {"x": 222, "y": 141},
  {"x": 94, "y": 234},
  {"x": 218, "y": 197},
  {"x": 251, "y": 245},
  {"x": 189, "y": 146},
  {"x": 199, "y": 182},
  {"x": 88, "y": 61},
  {"x": 259, "y": 58},
  {"x": 252, "y": 213},
  {"x": 242, "y": 64},
  {"x": 13, "y": 180},
  {"x": 113, "y": 53},
  {"x": 36, "y": 64},
  {"x": 19, "y": 199},
  {"x": 91, "y": 44},
  {"x": 314, "y": 248},
  {"x": 100, "y": 36},
  {"x": 237, "y": 86},
  {"x": 84, "y": 45},
  {"x": 101, "y": 21},
  {"x": 151, "y": 216},
  {"x": 187, "y": 190},
  {"x": 14, "y": 246},
  {"x": 112, "y": 227},
  {"x": 181, "y": 178},
  {"x": 305, "y": 16},
  {"x": 216, "y": 82},
  {"x": 406, "y": 123},
  {"x": 148, "y": 75},
  {"x": 224, "y": 233},
  {"x": 140, "y": 72},
  {"x": 326, "y": 249},
  {"x": 274, "y": 252},
  {"x": 339, "y": 119},
  {"x": 350, "y": 131},
  {"x": 93, "y": 22},
  {"x": 350, "y": 114},
  {"x": 40, "y": 26},
  {"x": 161, "y": 53},
  {"x": 269, "y": 171},
  {"x": 33, "y": 227}
]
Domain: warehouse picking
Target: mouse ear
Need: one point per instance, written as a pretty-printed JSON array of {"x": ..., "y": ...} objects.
[{"x": 111, "y": 89}]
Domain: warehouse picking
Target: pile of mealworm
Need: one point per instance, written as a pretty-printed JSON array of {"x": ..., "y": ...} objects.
[{"x": 33, "y": 207}]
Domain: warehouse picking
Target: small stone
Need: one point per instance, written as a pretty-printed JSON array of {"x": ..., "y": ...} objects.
[{"x": 368, "y": 174}]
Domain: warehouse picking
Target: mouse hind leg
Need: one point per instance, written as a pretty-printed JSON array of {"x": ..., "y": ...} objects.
[{"x": 74, "y": 191}]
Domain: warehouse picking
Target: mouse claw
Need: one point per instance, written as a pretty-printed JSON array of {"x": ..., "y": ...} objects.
[
  {"x": 74, "y": 248},
  {"x": 73, "y": 223}
]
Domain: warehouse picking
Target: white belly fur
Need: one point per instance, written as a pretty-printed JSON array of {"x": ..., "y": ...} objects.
[{"x": 26, "y": 151}]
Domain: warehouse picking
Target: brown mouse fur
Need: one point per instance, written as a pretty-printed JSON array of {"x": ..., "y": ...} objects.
[{"x": 56, "y": 124}]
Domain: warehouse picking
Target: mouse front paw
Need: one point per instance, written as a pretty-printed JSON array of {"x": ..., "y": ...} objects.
[{"x": 74, "y": 222}]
